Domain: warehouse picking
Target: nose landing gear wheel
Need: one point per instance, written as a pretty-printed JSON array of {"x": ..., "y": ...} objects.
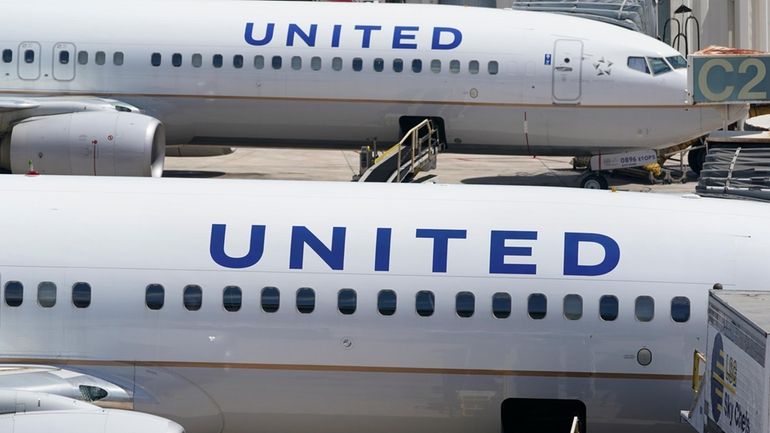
[{"x": 594, "y": 181}]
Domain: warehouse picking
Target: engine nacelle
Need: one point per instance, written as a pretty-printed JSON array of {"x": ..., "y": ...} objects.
[{"x": 87, "y": 143}]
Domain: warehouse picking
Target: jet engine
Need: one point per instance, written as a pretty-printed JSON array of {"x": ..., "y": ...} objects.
[{"x": 102, "y": 143}]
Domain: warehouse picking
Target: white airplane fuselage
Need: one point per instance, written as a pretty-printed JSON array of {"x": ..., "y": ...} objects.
[
  {"x": 254, "y": 369},
  {"x": 561, "y": 85}
]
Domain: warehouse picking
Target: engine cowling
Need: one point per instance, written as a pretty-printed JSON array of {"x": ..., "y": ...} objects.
[{"x": 87, "y": 143}]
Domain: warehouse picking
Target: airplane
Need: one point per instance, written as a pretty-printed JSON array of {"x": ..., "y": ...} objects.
[
  {"x": 91, "y": 87},
  {"x": 289, "y": 306}
]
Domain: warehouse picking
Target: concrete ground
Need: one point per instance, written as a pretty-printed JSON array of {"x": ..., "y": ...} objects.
[{"x": 341, "y": 165}]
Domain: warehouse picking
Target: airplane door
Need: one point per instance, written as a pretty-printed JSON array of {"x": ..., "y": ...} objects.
[
  {"x": 29, "y": 60},
  {"x": 567, "y": 71},
  {"x": 64, "y": 61}
]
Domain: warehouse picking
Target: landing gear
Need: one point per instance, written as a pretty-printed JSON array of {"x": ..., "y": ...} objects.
[
  {"x": 695, "y": 158},
  {"x": 594, "y": 180}
]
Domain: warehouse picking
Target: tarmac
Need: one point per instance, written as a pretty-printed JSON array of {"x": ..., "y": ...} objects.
[{"x": 341, "y": 165}]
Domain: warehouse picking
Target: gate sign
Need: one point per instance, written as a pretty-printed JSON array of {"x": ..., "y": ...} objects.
[{"x": 729, "y": 78}]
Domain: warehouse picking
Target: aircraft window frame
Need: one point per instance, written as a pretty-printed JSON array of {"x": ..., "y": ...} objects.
[
  {"x": 196, "y": 60},
  {"x": 675, "y": 315},
  {"x": 357, "y": 64},
  {"x": 82, "y": 57},
  {"x": 662, "y": 68},
  {"x": 493, "y": 67},
  {"x": 474, "y": 67},
  {"x": 270, "y": 299},
  {"x": 384, "y": 306},
  {"x": 465, "y": 304},
  {"x": 573, "y": 306},
  {"x": 425, "y": 303},
  {"x": 416, "y": 66},
  {"x": 435, "y": 66},
  {"x": 640, "y": 309},
  {"x": 64, "y": 57},
  {"x": 609, "y": 308},
  {"x": 677, "y": 62},
  {"x": 232, "y": 299},
  {"x": 81, "y": 294},
  {"x": 15, "y": 296},
  {"x": 316, "y": 63},
  {"x": 46, "y": 294},
  {"x": 347, "y": 301},
  {"x": 398, "y": 65},
  {"x": 7, "y": 55},
  {"x": 176, "y": 60},
  {"x": 296, "y": 63},
  {"x": 454, "y": 66},
  {"x": 238, "y": 61},
  {"x": 192, "y": 297},
  {"x": 635, "y": 62},
  {"x": 156, "y": 59},
  {"x": 118, "y": 58},
  {"x": 29, "y": 56},
  {"x": 154, "y": 296},
  {"x": 533, "y": 309},
  {"x": 305, "y": 300},
  {"x": 100, "y": 58},
  {"x": 337, "y": 63},
  {"x": 378, "y": 64},
  {"x": 259, "y": 61},
  {"x": 505, "y": 311},
  {"x": 276, "y": 62},
  {"x": 217, "y": 61}
]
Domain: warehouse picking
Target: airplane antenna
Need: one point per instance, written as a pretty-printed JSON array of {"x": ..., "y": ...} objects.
[{"x": 31, "y": 169}]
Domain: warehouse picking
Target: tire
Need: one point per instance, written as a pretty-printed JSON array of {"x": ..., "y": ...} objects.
[
  {"x": 594, "y": 181},
  {"x": 696, "y": 158}
]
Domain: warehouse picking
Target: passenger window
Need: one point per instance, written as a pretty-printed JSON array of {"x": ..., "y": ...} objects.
[
  {"x": 64, "y": 57},
  {"x": 493, "y": 67},
  {"x": 573, "y": 307},
  {"x": 176, "y": 60},
  {"x": 537, "y": 306},
  {"x": 346, "y": 301},
  {"x": 305, "y": 300},
  {"x": 231, "y": 298},
  {"x": 680, "y": 309},
  {"x": 154, "y": 296},
  {"x": 259, "y": 62},
  {"x": 501, "y": 305},
  {"x": 217, "y": 60},
  {"x": 677, "y": 62},
  {"x": 81, "y": 295},
  {"x": 46, "y": 294},
  {"x": 358, "y": 64},
  {"x": 473, "y": 67},
  {"x": 379, "y": 65},
  {"x": 337, "y": 63},
  {"x": 416, "y": 65},
  {"x": 277, "y": 62},
  {"x": 197, "y": 60},
  {"x": 398, "y": 65},
  {"x": 154, "y": 59},
  {"x": 117, "y": 58},
  {"x": 465, "y": 304},
  {"x": 14, "y": 293},
  {"x": 425, "y": 303},
  {"x": 83, "y": 57},
  {"x": 296, "y": 63},
  {"x": 315, "y": 63},
  {"x": 192, "y": 297},
  {"x": 658, "y": 65},
  {"x": 435, "y": 66},
  {"x": 638, "y": 64},
  {"x": 386, "y": 302},
  {"x": 100, "y": 58},
  {"x": 237, "y": 61},
  {"x": 271, "y": 299},
  {"x": 29, "y": 56},
  {"x": 7, "y": 56},
  {"x": 454, "y": 66},
  {"x": 644, "y": 308},
  {"x": 608, "y": 308}
]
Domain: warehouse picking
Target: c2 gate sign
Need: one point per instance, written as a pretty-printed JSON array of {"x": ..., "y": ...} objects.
[{"x": 729, "y": 78}]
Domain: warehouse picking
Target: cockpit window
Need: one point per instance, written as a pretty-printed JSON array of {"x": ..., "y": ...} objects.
[
  {"x": 658, "y": 65},
  {"x": 638, "y": 64},
  {"x": 677, "y": 62}
]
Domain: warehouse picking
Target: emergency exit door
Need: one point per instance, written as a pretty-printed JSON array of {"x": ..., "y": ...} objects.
[
  {"x": 29, "y": 60},
  {"x": 64, "y": 61},
  {"x": 567, "y": 70}
]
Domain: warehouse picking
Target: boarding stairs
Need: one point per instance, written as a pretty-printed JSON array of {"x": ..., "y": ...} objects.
[{"x": 416, "y": 152}]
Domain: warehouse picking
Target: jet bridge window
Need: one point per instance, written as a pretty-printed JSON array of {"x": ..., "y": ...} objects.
[
  {"x": 386, "y": 302},
  {"x": 454, "y": 66},
  {"x": 465, "y": 304},
  {"x": 658, "y": 65},
  {"x": 337, "y": 63},
  {"x": 638, "y": 64},
  {"x": 259, "y": 62},
  {"x": 46, "y": 294},
  {"x": 358, "y": 64},
  {"x": 501, "y": 305},
  {"x": 493, "y": 67},
  {"x": 154, "y": 296},
  {"x": 537, "y": 306},
  {"x": 192, "y": 297},
  {"x": 425, "y": 303},
  {"x": 398, "y": 65},
  {"x": 231, "y": 298},
  {"x": 197, "y": 60},
  {"x": 7, "y": 56},
  {"x": 81, "y": 295},
  {"x": 608, "y": 308},
  {"x": 83, "y": 57},
  {"x": 277, "y": 62},
  {"x": 473, "y": 67},
  {"x": 346, "y": 301},
  {"x": 217, "y": 60},
  {"x": 416, "y": 66},
  {"x": 155, "y": 59},
  {"x": 435, "y": 66},
  {"x": 680, "y": 309},
  {"x": 14, "y": 293},
  {"x": 644, "y": 308},
  {"x": 677, "y": 62},
  {"x": 100, "y": 58},
  {"x": 117, "y": 58},
  {"x": 573, "y": 307},
  {"x": 271, "y": 299},
  {"x": 237, "y": 61},
  {"x": 296, "y": 63},
  {"x": 379, "y": 65},
  {"x": 64, "y": 57},
  {"x": 315, "y": 63},
  {"x": 305, "y": 300},
  {"x": 176, "y": 60}
]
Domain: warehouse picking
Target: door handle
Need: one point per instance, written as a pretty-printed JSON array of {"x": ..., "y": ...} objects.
[{"x": 564, "y": 68}]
